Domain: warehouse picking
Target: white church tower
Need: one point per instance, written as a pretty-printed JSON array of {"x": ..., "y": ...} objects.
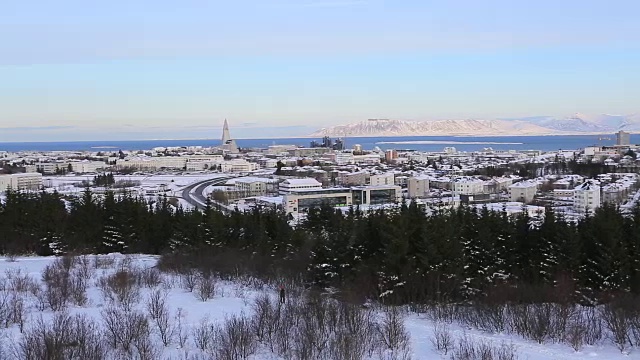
[{"x": 228, "y": 143}]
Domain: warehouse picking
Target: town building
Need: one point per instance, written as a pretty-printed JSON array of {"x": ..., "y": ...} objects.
[
  {"x": 586, "y": 197},
  {"x": 468, "y": 186},
  {"x": 375, "y": 195},
  {"x": 88, "y": 166},
  {"x": 21, "y": 181},
  {"x": 418, "y": 186},
  {"x": 290, "y": 185},
  {"x": 523, "y": 191},
  {"x": 300, "y": 200},
  {"x": 253, "y": 186},
  {"x": 382, "y": 179},
  {"x": 623, "y": 138}
]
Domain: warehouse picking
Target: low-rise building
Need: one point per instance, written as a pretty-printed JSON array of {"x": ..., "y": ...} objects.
[
  {"x": 252, "y": 186},
  {"x": 375, "y": 195},
  {"x": 418, "y": 186},
  {"x": 523, "y": 191},
  {"x": 298, "y": 201},
  {"x": 382, "y": 179},
  {"x": 21, "y": 181},
  {"x": 586, "y": 197},
  {"x": 88, "y": 166},
  {"x": 468, "y": 186},
  {"x": 290, "y": 185}
]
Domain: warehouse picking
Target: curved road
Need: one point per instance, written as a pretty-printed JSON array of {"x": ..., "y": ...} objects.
[{"x": 194, "y": 193}]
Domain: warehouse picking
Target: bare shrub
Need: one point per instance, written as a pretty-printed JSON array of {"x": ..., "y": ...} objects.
[
  {"x": 121, "y": 288},
  {"x": 159, "y": 314},
  {"x": 234, "y": 339},
  {"x": 83, "y": 268},
  {"x": 392, "y": 334},
  {"x": 150, "y": 277},
  {"x": 180, "y": 331},
  {"x": 593, "y": 324},
  {"x": 533, "y": 321},
  {"x": 5, "y": 309},
  {"x": 104, "y": 261},
  {"x": 66, "y": 337},
  {"x": 17, "y": 310},
  {"x": 616, "y": 320},
  {"x": 442, "y": 340},
  {"x": 19, "y": 281},
  {"x": 126, "y": 331},
  {"x": 58, "y": 286},
  {"x": 203, "y": 335},
  {"x": 467, "y": 349},
  {"x": 576, "y": 336},
  {"x": 11, "y": 257},
  {"x": 189, "y": 279},
  {"x": 205, "y": 287}
]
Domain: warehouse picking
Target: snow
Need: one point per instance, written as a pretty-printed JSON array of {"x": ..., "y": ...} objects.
[{"x": 232, "y": 298}]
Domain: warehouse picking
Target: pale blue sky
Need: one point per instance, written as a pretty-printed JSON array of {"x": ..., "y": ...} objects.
[{"x": 156, "y": 69}]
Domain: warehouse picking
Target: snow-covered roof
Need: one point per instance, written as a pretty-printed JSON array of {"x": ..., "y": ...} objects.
[{"x": 303, "y": 182}]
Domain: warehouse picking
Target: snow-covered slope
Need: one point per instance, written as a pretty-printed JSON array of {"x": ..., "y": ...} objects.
[
  {"x": 579, "y": 122},
  {"x": 188, "y": 315},
  {"x": 537, "y": 125},
  {"x": 384, "y": 127}
]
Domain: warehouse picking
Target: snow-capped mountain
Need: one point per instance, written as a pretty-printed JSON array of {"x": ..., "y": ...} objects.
[
  {"x": 384, "y": 127},
  {"x": 578, "y": 122},
  {"x": 539, "y": 125}
]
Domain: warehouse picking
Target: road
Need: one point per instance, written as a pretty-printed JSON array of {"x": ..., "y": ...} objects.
[{"x": 194, "y": 193}]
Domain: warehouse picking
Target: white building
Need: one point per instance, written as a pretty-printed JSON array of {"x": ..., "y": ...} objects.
[
  {"x": 238, "y": 166},
  {"x": 523, "y": 191},
  {"x": 21, "y": 181},
  {"x": 344, "y": 158},
  {"x": 301, "y": 200},
  {"x": 88, "y": 166},
  {"x": 51, "y": 167},
  {"x": 418, "y": 186},
  {"x": 586, "y": 197},
  {"x": 382, "y": 179},
  {"x": 468, "y": 186},
  {"x": 253, "y": 186},
  {"x": 290, "y": 185}
]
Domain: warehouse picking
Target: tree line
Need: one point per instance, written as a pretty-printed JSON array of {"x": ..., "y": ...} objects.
[{"x": 407, "y": 254}]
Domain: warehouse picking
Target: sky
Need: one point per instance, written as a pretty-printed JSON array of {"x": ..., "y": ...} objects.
[{"x": 151, "y": 69}]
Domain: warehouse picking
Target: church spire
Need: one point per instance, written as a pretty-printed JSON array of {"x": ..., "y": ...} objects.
[{"x": 225, "y": 132}]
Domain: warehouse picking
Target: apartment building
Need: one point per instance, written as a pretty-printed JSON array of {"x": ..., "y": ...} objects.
[
  {"x": 21, "y": 181},
  {"x": 418, "y": 186},
  {"x": 586, "y": 197},
  {"x": 523, "y": 191}
]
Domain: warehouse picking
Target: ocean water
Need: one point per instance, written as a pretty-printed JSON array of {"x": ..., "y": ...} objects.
[{"x": 418, "y": 143}]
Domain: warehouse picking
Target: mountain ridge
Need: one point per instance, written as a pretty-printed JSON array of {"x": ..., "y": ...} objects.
[{"x": 577, "y": 124}]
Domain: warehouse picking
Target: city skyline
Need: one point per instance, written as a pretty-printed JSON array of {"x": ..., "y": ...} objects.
[{"x": 153, "y": 70}]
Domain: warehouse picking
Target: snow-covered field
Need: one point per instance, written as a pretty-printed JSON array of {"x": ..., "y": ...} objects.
[{"x": 187, "y": 312}]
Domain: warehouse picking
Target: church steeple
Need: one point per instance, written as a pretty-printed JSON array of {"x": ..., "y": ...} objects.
[
  {"x": 228, "y": 143},
  {"x": 225, "y": 132}
]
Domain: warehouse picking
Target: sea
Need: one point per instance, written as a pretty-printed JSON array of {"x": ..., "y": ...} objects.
[{"x": 415, "y": 143}]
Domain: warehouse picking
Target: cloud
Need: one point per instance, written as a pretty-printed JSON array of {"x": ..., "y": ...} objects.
[{"x": 36, "y": 128}]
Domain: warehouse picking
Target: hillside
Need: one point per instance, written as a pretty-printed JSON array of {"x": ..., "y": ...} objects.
[{"x": 539, "y": 125}]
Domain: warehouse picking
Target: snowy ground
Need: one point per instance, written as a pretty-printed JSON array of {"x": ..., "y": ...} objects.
[{"x": 233, "y": 298}]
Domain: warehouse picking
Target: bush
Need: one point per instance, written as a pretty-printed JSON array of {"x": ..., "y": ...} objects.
[
  {"x": 160, "y": 316},
  {"x": 120, "y": 287},
  {"x": 65, "y": 338},
  {"x": 234, "y": 339},
  {"x": 205, "y": 286}
]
